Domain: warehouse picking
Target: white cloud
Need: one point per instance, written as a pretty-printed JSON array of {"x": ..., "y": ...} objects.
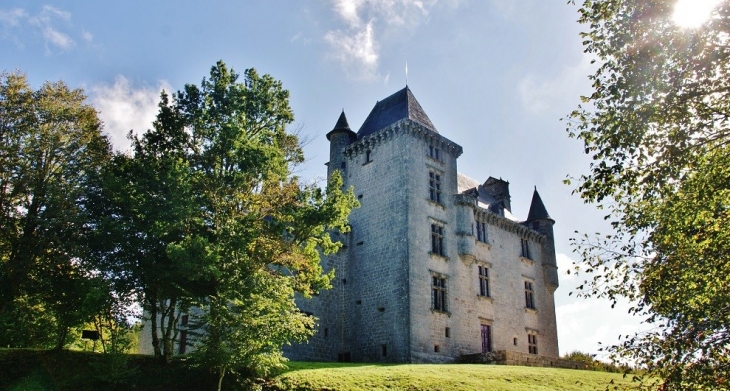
[
  {"x": 356, "y": 46},
  {"x": 12, "y": 17},
  {"x": 565, "y": 263},
  {"x": 87, "y": 36},
  {"x": 47, "y": 21},
  {"x": 542, "y": 95},
  {"x": 124, "y": 107},
  {"x": 358, "y": 52},
  {"x": 587, "y": 324},
  {"x": 506, "y": 8},
  {"x": 53, "y": 24}
]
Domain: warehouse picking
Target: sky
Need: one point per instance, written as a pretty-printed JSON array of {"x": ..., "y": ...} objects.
[{"x": 494, "y": 76}]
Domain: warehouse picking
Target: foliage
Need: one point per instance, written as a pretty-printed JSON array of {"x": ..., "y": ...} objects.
[
  {"x": 596, "y": 365},
  {"x": 51, "y": 148},
  {"x": 25, "y": 369},
  {"x": 207, "y": 215},
  {"x": 263, "y": 230},
  {"x": 657, "y": 126}
]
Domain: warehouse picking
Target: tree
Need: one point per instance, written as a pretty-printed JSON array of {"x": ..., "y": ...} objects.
[
  {"x": 657, "y": 126},
  {"x": 146, "y": 202},
  {"x": 51, "y": 148},
  {"x": 264, "y": 230},
  {"x": 207, "y": 213}
]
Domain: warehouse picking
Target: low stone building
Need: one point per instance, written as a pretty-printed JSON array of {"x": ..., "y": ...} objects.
[{"x": 436, "y": 266}]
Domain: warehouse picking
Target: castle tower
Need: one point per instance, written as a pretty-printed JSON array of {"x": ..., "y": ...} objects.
[
  {"x": 436, "y": 266},
  {"x": 339, "y": 137},
  {"x": 539, "y": 220}
]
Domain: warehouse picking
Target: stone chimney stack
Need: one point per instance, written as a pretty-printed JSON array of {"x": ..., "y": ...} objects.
[{"x": 499, "y": 190}]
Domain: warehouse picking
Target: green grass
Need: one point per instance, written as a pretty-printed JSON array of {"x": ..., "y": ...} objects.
[
  {"x": 448, "y": 377},
  {"x": 26, "y": 369}
]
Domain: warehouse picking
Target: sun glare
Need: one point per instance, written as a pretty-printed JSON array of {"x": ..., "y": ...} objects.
[{"x": 693, "y": 13}]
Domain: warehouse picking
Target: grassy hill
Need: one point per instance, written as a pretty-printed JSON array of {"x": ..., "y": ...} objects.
[
  {"x": 79, "y": 371},
  {"x": 448, "y": 377}
]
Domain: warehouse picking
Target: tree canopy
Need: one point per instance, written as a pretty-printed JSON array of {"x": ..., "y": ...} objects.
[
  {"x": 657, "y": 126},
  {"x": 51, "y": 149},
  {"x": 205, "y": 217}
]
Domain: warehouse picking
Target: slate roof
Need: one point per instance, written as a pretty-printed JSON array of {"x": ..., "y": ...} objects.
[
  {"x": 341, "y": 125},
  {"x": 392, "y": 109},
  {"x": 537, "y": 209}
]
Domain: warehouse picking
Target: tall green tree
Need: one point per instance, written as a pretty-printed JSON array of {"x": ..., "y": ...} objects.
[
  {"x": 207, "y": 213},
  {"x": 146, "y": 202},
  {"x": 657, "y": 126},
  {"x": 51, "y": 149}
]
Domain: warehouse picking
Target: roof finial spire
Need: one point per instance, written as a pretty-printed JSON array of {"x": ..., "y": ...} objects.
[{"x": 406, "y": 73}]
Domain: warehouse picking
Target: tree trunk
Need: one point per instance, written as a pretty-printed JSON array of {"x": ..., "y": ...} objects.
[
  {"x": 168, "y": 339},
  {"x": 62, "y": 337},
  {"x": 220, "y": 377},
  {"x": 153, "y": 326},
  {"x": 97, "y": 326}
]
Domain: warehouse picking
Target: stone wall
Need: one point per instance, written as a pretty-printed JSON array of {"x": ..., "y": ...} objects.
[{"x": 503, "y": 357}]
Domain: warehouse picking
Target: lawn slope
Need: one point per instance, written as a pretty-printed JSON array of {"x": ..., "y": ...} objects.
[{"x": 449, "y": 377}]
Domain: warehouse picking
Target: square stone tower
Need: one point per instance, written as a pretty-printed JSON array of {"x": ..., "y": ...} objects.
[{"x": 436, "y": 266}]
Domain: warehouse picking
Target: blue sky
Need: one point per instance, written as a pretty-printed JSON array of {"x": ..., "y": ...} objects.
[{"x": 495, "y": 76}]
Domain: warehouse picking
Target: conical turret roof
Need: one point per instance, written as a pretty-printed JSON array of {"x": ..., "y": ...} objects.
[
  {"x": 392, "y": 109},
  {"x": 537, "y": 208},
  {"x": 342, "y": 125}
]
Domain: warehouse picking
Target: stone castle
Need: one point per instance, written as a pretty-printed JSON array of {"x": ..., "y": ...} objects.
[{"x": 436, "y": 266}]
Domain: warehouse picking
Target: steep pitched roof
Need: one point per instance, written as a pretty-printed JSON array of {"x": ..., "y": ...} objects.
[
  {"x": 341, "y": 125},
  {"x": 537, "y": 208},
  {"x": 392, "y": 109}
]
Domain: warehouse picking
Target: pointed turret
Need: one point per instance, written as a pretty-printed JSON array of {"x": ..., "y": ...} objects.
[
  {"x": 539, "y": 220},
  {"x": 339, "y": 137},
  {"x": 342, "y": 126},
  {"x": 537, "y": 209}
]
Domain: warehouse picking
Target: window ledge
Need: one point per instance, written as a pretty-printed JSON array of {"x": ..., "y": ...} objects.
[
  {"x": 486, "y": 245},
  {"x": 527, "y": 260},
  {"x": 434, "y": 159},
  {"x": 438, "y": 256},
  {"x": 436, "y": 204},
  {"x": 435, "y": 311},
  {"x": 486, "y": 298},
  {"x": 530, "y": 310}
]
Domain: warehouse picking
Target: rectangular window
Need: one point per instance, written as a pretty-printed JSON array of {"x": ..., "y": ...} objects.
[
  {"x": 483, "y": 281},
  {"x": 434, "y": 152},
  {"x": 438, "y": 293},
  {"x": 481, "y": 231},
  {"x": 437, "y": 239},
  {"x": 525, "y": 253},
  {"x": 384, "y": 350},
  {"x": 532, "y": 343},
  {"x": 529, "y": 295},
  {"x": 486, "y": 338},
  {"x": 434, "y": 186}
]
